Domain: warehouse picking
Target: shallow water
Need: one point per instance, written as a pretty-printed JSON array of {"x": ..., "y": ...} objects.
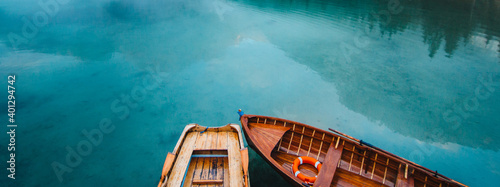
[{"x": 403, "y": 77}]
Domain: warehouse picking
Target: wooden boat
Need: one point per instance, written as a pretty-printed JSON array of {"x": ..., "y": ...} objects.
[
  {"x": 207, "y": 156},
  {"x": 345, "y": 160}
]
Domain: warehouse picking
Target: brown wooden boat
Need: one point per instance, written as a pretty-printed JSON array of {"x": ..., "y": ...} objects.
[
  {"x": 346, "y": 161},
  {"x": 207, "y": 156}
]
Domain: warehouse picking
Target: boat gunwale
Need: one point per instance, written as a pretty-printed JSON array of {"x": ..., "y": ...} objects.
[{"x": 194, "y": 127}]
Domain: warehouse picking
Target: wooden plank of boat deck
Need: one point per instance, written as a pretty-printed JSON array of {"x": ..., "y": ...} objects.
[
  {"x": 201, "y": 141},
  {"x": 180, "y": 167},
  {"x": 220, "y": 170},
  {"x": 198, "y": 171},
  {"x": 234, "y": 155},
  {"x": 266, "y": 136},
  {"x": 211, "y": 136},
  {"x": 212, "y": 173},
  {"x": 206, "y": 170},
  {"x": 222, "y": 140},
  {"x": 226, "y": 171},
  {"x": 190, "y": 172}
]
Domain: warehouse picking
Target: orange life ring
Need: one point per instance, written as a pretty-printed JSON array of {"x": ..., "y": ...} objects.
[{"x": 305, "y": 160}]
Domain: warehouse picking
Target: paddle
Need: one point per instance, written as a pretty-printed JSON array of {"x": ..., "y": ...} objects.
[
  {"x": 244, "y": 159},
  {"x": 166, "y": 168}
]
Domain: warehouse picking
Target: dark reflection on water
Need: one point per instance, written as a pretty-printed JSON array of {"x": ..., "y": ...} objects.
[
  {"x": 444, "y": 23},
  {"x": 391, "y": 80},
  {"x": 454, "y": 21}
]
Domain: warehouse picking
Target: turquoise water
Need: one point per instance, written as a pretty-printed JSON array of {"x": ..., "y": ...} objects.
[{"x": 418, "y": 78}]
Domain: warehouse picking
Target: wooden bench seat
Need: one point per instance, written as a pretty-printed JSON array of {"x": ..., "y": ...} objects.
[{"x": 329, "y": 166}]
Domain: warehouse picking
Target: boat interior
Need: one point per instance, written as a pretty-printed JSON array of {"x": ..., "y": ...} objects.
[{"x": 352, "y": 164}]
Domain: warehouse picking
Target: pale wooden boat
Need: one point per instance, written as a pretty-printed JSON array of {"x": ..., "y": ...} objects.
[
  {"x": 207, "y": 156},
  {"x": 346, "y": 161}
]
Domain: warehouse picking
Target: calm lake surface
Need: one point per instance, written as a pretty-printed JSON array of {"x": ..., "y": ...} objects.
[{"x": 419, "y": 78}]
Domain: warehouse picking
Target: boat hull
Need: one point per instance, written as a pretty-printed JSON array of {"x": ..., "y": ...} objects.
[{"x": 346, "y": 161}]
